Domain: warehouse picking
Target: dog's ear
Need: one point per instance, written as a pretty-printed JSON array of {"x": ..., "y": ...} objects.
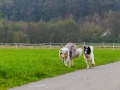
[
  {"x": 66, "y": 52},
  {"x": 84, "y": 47},
  {"x": 89, "y": 50},
  {"x": 60, "y": 51},
  {"x": 88, "y": 47}
]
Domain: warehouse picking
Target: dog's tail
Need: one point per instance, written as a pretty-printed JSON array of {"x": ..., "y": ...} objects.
[{"x": 79, "y": 52}]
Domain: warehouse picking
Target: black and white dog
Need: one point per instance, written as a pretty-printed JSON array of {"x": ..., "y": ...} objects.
[
  {"x": 89, "y": 55},
  {"x": 68, "y": 53}
]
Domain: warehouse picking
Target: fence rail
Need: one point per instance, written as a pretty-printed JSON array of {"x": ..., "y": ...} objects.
[{"x": 59, "y": 45}]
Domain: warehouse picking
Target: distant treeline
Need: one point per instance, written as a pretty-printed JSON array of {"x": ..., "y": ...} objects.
[
  {"x": 36, "y": 10},
  {"x": 92, "y": 28},
  {"x": 40, "y": 21}
]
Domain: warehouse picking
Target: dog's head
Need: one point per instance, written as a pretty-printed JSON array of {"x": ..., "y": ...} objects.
[
  {"x": 64, "y": 54},
  {"x": 87, "y": 50}
]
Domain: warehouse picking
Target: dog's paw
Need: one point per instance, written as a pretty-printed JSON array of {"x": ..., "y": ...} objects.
[
  {"x": 93, "y": 64},
  {"x": 66, "y": 65},
  {"x": 88, "y": 67}
]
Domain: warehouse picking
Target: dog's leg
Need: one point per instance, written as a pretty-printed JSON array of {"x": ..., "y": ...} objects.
[
  {"x": 72, "y": 62},
  {"x": 88, "y": 64},
  {"x": 93, "y": 62},
  {"x": 69, "y": 63},
  {"x": 66, "y": 63}
]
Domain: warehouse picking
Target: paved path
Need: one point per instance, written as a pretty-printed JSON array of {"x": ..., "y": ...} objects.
[{"x": 105, "y": 77}]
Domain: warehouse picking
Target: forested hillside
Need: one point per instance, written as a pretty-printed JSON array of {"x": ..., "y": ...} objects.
[
  {"x": 35, "y": 10},
  {"x": 40, "y": 21}
]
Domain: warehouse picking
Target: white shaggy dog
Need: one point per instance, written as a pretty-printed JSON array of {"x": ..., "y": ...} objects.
[
  {"x": 89, "y": 55},
  {"x": 68, "y": 53}
]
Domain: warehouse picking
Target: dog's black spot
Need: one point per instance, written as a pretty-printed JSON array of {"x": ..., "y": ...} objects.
[
  {"x": 70, "y": 53},
  {"x": 87, "y": 50}
]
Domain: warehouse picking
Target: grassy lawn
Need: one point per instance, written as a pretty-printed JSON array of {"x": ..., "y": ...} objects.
[{"x": 24, "y": 65}]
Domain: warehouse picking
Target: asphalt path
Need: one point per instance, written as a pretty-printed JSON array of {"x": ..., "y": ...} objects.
[{"x": 104, "y": 77}]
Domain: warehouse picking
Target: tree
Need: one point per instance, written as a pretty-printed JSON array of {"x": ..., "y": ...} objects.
[
  {"x": 91, "y": 32},
  {"x": 79, "y": 8},
  {"x": 114, "y": 23},
  {"x": 0, "y": 16},
  {"x": 49, "y": 10},
  {"x": 19, "y": 37}
]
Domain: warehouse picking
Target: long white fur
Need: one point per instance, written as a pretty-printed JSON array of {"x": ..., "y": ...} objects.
[
  {"x": 90, "y": 57},
  {"x": 76, "y": 52}
]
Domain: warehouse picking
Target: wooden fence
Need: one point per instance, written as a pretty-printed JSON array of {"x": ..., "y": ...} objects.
[{"x": 58, "y": 45}]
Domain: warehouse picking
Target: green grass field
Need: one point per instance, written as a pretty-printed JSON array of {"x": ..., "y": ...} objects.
[{"x": 24, "y": 65}]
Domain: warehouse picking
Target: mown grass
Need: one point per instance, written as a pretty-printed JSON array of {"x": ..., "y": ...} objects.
[{"x": 24, "y": 65}]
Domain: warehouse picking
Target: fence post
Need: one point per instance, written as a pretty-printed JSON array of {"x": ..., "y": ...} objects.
[
  {"x": 113, "y": 46},
  {"x": 50, "y": 44},
  {"x": 2, "y": 44},
  {"x": 20, "y": 45},
  {"x": 61, "y": 45},
  {"x": 16, "y": 45},
  {"x": 84, "y": 44},
  {"x": 104, "y": 45}
]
